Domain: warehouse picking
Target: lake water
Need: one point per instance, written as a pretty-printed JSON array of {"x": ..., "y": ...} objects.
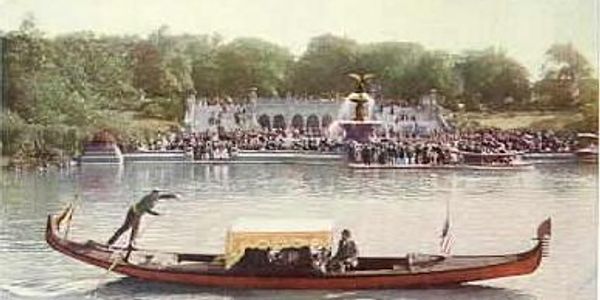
[{"x": 391, "y": 212}]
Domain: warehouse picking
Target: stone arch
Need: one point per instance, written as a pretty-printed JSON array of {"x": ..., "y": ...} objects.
[
  {"x": 264, "y": 121},
  {"x": 326, "y": 120},
  {"x": 297, "y": 122},
  {"x": 279, "y": 122},
  {"x": 312, "y": 122}
]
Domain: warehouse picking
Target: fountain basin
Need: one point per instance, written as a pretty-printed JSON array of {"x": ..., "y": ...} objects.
[{"x": 360, "y": 131}]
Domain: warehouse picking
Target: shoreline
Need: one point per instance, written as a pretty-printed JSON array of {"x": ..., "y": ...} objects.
[{"x": 262, "y": 157}]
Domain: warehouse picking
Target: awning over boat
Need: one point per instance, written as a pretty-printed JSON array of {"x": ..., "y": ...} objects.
[
  {"x": 275, "y": 234},
  {"x": 587, "y": 135},
  {"x": 477, "y": 154}
]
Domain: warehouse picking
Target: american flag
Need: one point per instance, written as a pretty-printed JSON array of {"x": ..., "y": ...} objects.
[{"x": 447, "y": 238}]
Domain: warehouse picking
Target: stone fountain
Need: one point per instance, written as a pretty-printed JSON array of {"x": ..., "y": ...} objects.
[{"x": 361, "y": 126}]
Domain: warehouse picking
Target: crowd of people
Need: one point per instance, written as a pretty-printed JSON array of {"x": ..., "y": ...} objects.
[
  {"x": 393, "y": 148},
  {"x": 224, "y": 145},
  {"x": 444, "y": 148},
  {"x": 400, "y": 153}
]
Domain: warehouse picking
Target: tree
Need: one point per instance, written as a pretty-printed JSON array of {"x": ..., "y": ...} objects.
[
  {"x": 99, "y": 68},
  {"x": 432, "y": 70},
  {"x": 205, "y": 70},
  {"x": 491, "y": 78},
  {"x": 565, "y": 60},
  {"x": 323, "y": 68},
  {"x": 150, "y": 73},
  {"x": 589, "y": 103},
  {"x": 250, "y": 62},
  {"x": 26, "y": 55},
  {"x": 389, "y": 61},
  {"x": 177, "y": 53},
  {"x": 565, "y": 70}
]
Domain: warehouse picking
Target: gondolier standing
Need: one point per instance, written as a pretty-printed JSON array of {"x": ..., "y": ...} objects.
[{"x": 135, "y": 213}]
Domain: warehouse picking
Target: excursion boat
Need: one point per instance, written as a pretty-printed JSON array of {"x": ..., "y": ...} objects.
[
  {"x": 244, "y": 265},
  {"x": 468, "y": 161},
  {"x": 588, "y": 153},
  {"x": 493, "y": 161},
  {"x": 362, "y": 166},
  {"x": 288, "y": 156},
  {"x": 153, "y": 156},
  {"x": 549, "y": 156}
]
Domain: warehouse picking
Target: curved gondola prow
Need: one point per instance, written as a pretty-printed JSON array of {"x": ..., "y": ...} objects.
[
  {"x": 54, "y": 222},
  {"x": 544, "y": 232},
  {"x": 51, "y": 234},
  {"x": 51, "y": 229}
]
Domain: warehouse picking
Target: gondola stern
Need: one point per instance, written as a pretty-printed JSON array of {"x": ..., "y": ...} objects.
[
  {"x": 542, "y": 248},
  {"x": 545, "y": 229},
  {"x": 544, "y": 233}
]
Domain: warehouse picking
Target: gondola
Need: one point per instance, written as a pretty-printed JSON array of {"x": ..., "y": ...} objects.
[
  {"x": 588, "y": 151},
  {"x": 208, "y": 270}
]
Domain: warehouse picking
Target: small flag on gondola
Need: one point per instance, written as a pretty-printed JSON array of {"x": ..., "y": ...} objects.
[
  {"x": 65, "y": 216},
  {"x": 447, "y": 239}
]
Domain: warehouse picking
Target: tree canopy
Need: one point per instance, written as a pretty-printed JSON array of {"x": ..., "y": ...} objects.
[
  {"x": 249, "y": 62},
  {"x": 491, "y": 78}
]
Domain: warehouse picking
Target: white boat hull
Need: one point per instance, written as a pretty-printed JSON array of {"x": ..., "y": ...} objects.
[{"x": 513, "y": 167}]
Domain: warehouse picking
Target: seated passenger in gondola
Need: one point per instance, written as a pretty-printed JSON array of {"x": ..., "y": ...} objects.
[
  {"x": 254, "y": 260},
  {"x": 287, "y": 261},
  {"x": 346, "y": 257}
]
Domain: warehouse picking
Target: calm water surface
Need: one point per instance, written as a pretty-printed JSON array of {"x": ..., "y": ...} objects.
[{"x": 391, "y": 212}]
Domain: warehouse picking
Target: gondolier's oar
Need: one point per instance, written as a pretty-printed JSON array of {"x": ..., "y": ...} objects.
[
  {"x": 114, "y": 263},
  {"x": 69, "y": 219},
  {"x": 118, "y": 258}
]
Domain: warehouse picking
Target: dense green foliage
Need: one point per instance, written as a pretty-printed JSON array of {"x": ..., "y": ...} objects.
[
  {"x": 62, "y": 89},
  {"x": 493, "y": 79},
  {"x": 322, "y": 69},
  {"x": 568, "y": 83}
]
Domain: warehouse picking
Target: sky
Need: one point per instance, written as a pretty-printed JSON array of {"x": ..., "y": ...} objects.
[{"x": 524, "y": 29}]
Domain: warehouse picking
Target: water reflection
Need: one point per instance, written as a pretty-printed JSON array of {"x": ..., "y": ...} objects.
[
  {"x": 131, "y": 287},
  {"x": 391, "y": 212}
]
